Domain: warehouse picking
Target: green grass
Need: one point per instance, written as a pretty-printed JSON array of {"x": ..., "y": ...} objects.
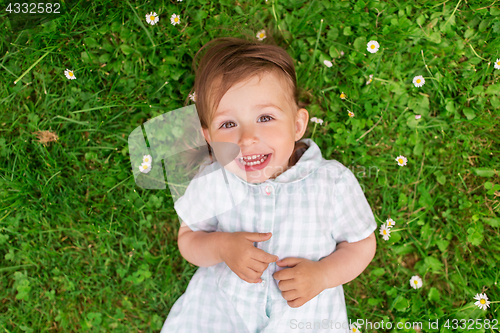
[{"x": 84, "y": 249}]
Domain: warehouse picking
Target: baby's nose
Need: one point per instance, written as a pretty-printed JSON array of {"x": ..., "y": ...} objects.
[{"x": 248, "y": 135}]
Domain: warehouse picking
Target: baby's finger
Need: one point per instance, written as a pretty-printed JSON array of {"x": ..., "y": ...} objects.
[
  {"x": 251, "y": 276},
  {"x": 258, "y": 266},
  {"x": 263, "y": 256}
]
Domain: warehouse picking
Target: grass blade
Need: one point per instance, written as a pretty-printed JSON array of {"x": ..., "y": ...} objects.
[{"x": 31, "y": 67}]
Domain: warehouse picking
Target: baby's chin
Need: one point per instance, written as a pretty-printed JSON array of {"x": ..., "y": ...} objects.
[
  {"x": 257, "y": 176},
  {"x": 256, "y": 180}
]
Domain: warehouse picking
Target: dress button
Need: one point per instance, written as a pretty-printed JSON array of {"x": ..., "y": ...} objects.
[
  {"x": 269, "y": 189},
  {"x": 263, "y": 283}
]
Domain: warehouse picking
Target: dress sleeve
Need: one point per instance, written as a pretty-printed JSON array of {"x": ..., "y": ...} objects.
[
  {"x": 196, "y": 206},
  {"x": 353, "y": 218}
]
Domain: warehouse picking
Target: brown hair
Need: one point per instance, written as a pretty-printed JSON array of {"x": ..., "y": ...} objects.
[{"x": 229, "y": 61}]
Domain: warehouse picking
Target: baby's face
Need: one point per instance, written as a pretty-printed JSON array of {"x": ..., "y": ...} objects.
[{"x": 258, "y": 118}]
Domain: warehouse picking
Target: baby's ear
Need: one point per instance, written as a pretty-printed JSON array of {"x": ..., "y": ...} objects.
[
  {"x": 306, "y": 113},
  {"x": 206, "y": 134},
  {"x": 301, "y": 123}
]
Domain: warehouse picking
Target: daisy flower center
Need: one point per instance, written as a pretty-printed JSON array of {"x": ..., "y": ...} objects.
[
  {"x": 152, "y": 18},
  {"x": 146, "y": 160},
  {"x": 176, "y": 19},
  {"x": 70, "y": 74},
  {"x": 400, "y": 160},
  {"x": 418, "y": 80},
  {"x": 482, "y": 301},
  {"x": 261, "y": 35},
  {"x": 385, "y": 232},
  {"x": 373, "y": 46},
  {"x": 416, "y": 281},
  {"x": 354, "y": 330}
]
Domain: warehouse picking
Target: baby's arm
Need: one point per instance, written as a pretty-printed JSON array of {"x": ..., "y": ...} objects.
[
  {"x": 348, "y": 261},
  {"x": 200, "y": 248},
  {"x": 206, "y": 249}
]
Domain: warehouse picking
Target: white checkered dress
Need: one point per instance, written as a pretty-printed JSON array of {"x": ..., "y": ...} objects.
[{"x": 309, "y": 208}]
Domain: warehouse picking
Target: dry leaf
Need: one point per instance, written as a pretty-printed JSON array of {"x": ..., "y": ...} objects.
[{"x": 46, "y": 136}]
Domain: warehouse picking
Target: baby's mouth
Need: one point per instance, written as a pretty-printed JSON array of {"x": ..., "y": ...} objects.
[{"x": 254, "y": 161}]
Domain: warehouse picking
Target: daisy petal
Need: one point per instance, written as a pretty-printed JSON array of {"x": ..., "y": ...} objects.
[
  {"x": 418, "y": 81},
  {"x": 401, "y": 160},
  {"x": 497, "y": 64},
  {"x": 372, "y": 46},
  {"x": 175, "y": 19},
  {"x": 261, "y": 34}
]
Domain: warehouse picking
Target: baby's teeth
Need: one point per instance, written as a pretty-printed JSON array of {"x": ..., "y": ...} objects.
[{"x": 244, "y": 162}]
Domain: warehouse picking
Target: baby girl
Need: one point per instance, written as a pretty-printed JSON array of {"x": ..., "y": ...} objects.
[{"x": 275, "y": 262}]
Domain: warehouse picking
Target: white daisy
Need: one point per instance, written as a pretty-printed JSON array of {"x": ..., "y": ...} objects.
[
  {"x": 417, "y": 116},
  {"x": 175, "y": 19},
  {"x": 370, "y": 79},
  {"x": 351, "y": 114},
  {"x": 179, "y": 0},
  {"x": 152, "y": 18},
  {"x": 69, "y": 74},
  {"x": 390, "y": 223},
  {"x": 147, "y": 159},
  {"x": 317, "y": 120},
  {"x": 328, "y": 63},
  {"x": 497, "y": 64},
  {"x": 354, "y": 328},
  {"x": 385, "y": 232},
  {"x": 372, "y": 46},
  {"x": 482, "y": 301},
  {"x": 343, "y": 96},
  {"x": 341, "y": 53},
  {"x": 416, "y": 282},
  {"x": 193, "y": 96},
  {"x": 261, "y": 34},
  {"x": 401, "y": 160},
  {"x": 418, "y": 81},
  {"x": 145, "y": 167}
]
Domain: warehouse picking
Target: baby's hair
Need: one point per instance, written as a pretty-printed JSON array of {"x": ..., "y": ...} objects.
[{"x": 229, "y": 61}]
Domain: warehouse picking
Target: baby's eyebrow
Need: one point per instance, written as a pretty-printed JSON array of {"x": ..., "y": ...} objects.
[
  {"x": 261, "y": 106},
  {"x": 258, "y": 106}
]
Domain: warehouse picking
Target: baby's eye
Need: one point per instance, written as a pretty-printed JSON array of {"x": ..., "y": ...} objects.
[
  {"x": 227, "y": 122},
  {"x": 230, "y": 122},
  {"x": 267, "y": 117}
]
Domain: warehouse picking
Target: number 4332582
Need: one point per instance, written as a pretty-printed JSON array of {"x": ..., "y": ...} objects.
[
  {"x": 471, "y": 324},
  {"x": 33, "y": 8}
]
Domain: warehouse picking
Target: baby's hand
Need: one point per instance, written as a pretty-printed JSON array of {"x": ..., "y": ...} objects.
[
  {"x": 244, "y": 259},
  {"x": 301, "y": 283}
]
